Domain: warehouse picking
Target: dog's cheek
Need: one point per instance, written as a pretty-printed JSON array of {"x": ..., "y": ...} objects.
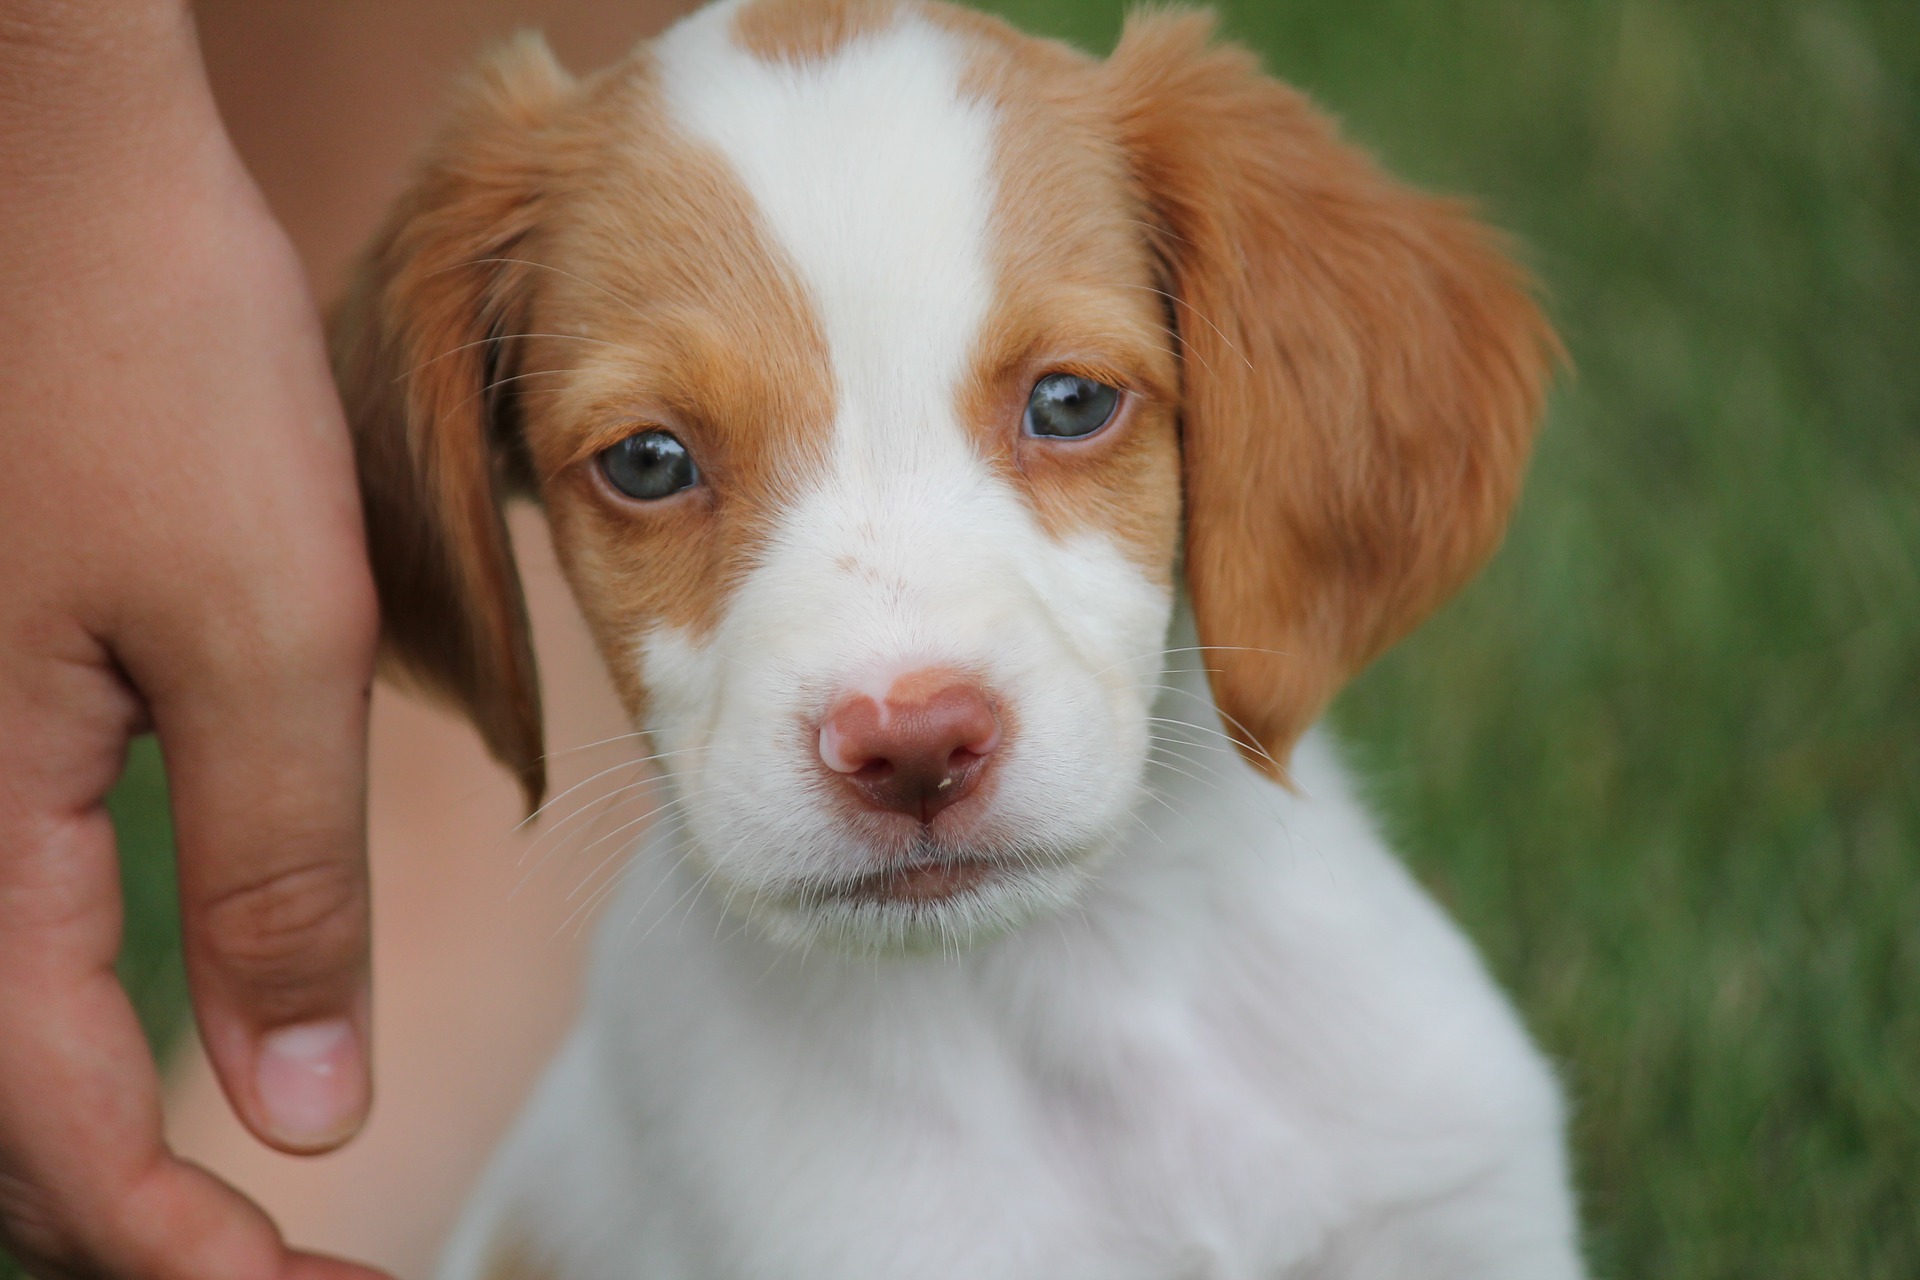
[
  {"x": 1123, "y": 491},
  {"x": 1111, "y": 516},
  {"x": 1089, "y": 695},
  {"x": 741, "y": 762},
  {"x": 1116, "y": 610},
  {"x": 678, "y": 672},
  {"x": 636, "y": 575}
]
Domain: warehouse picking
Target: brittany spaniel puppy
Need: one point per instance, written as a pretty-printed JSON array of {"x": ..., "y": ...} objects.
[{"x": 979, "y": 464}]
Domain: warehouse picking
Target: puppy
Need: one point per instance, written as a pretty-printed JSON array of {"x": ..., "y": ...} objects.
[{"x": 979, "y": 465}]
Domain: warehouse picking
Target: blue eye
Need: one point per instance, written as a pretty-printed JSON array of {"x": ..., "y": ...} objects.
[
  {"x": 649, "y": 466},
  {"x": 1066, "y": 406}
]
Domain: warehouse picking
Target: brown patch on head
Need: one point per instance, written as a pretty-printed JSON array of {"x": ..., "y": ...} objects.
[
  {"x": 1363, "y": 372},
  {"x": 1075, "y": 291},
  {"x": 699, "y": 327},
  {"x": 808, "y": 30},
  {"x": 567, "y": 270}
]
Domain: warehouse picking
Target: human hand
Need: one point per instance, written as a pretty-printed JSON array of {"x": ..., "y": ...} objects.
[{"x": 180, "y": 549}]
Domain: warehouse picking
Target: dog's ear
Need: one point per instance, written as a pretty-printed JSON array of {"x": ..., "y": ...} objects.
[
  {"x": 423, "y": 342},
  {"x": 1362, "y": 375}
]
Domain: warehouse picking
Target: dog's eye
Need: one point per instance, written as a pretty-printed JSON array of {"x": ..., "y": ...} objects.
[
  {"x": 650, "y": 465},
  {"x": 1068, "y": 406}
]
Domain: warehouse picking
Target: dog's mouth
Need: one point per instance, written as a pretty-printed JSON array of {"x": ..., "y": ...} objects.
[
  {"x": 923, "y": 899},
  {"x": 919, "y": 882}
]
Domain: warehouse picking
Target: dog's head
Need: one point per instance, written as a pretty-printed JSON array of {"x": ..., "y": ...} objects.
[{"x": 873, "y": 363}]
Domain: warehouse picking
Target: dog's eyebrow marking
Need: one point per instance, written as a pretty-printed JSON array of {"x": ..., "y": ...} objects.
[{"x": 872, "y": 171}]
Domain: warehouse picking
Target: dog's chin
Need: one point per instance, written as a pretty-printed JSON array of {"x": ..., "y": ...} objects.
[{"x": 941, "y": 903}]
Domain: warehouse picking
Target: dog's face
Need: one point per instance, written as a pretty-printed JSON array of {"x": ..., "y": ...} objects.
[
  {"x": 861, "y": 355},
  {"x": 907, "y": 578}
]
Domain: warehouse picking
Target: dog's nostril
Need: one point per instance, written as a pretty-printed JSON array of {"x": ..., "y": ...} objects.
[{"x": 917, "y": 750}]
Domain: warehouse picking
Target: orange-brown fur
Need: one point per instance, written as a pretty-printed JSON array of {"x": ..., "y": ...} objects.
[
  {"x": 1362, "y": 377},
  {"x": 592, "y": 308},
  {"x": 808, "y": 30},
  {"x": 421, "y": 327},
  {"x": 1074, "y": 292},
  {"x": 698, "y": 325}
]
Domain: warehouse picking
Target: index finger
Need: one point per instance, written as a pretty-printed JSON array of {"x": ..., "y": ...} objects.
[
  {"x": 86, "y": 1185},
  {"x": 265, "y": 746}
]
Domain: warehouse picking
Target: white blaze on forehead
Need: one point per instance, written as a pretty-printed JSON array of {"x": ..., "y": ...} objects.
[{"x": 874, "y": 174}]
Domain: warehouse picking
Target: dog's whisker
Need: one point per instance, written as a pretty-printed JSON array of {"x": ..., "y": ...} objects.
[
  {"x": 507, "y": 380},
  {"x": 1215, "y": 784},
  {"x": 1223, "y": 747},
  {"x": 554, "y": 837},
  {"x": 1148, "y": 790},
  {"x": 1161, "y": 740},
  {"x": 679, "y": 800},
  {"x": 1216, "y": 741},
  {"x": 665, "y": 804},
  {"x": 674, "y": 906},
  {"x": 1252, "y": 740},
  {"x": 656, "y": 773},
  {"x": 1178, "y": 301},
  {"x": 534, "y": 855},
  {"x": 670, "y": 821},
  {"x": 666, "y": 875},
  {"x": 604, "y": 742},
  {"x": 583, "y": 913},
  {"x": 632, "y": 762},
  {"x": 619, "y": 851},
  {"x": 628, "y": 303},
  {"x": 498, "y": 337},
  {"x": 1192, "y": 648}
]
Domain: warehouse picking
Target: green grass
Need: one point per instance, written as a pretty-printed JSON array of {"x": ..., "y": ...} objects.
[
  {"x": 151, "y": 967},
  {"x": 150, "y": 962},
  {"x": 1664, "y": 758}
]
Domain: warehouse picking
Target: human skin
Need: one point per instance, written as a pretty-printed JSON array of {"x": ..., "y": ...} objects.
[
  {"x": 180, "y": 547},
  {"x": 180, "y": 550},
  {"x": 477, "y": 952}
]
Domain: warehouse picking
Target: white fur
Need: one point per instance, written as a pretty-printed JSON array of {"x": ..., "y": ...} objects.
[
  {"x": 1209, "y": 1030},
  {"x": 1255, "y": 1050},
  {"x": 873, "y": 175}
]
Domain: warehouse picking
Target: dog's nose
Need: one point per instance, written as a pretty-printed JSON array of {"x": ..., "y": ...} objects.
[{"x": 916, "y": 750}]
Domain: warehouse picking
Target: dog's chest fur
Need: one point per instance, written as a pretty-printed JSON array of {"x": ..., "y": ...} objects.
[{"x": 1255, "y": 1043}]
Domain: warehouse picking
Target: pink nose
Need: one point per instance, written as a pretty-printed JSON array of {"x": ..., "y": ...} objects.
[{"x": 916, "y": 751}]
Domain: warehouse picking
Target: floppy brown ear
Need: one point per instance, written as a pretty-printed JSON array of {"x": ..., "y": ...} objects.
[
  {"x": 421, "y": 343},
  {"x": 1362, "y": 369}
]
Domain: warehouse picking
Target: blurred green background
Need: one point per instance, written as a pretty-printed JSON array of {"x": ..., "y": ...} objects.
[{"x": 1664, "y": 757}]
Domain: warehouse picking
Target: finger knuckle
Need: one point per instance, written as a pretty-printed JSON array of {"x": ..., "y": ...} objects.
[
  {"x": 328, "y": 634},
  {"x": 30, "y": 1225},
  {"x": 291, "y": 935}
]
